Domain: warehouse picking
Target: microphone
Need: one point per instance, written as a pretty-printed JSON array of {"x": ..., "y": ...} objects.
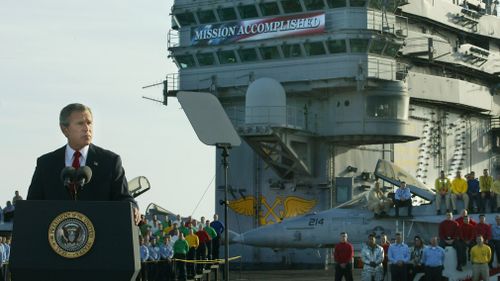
[
  {"x": 67, "y": 175},
  {"x": 83, "y": 175}
]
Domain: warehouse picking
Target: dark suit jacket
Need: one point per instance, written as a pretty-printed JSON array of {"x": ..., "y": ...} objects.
[{"x": 108, "y": 182}]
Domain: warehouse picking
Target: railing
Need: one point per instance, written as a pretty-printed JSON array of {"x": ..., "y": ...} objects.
[
  {"x": 382, "y": 69},
  {"x": 172, "y": 82},
  {"x": 397, "y": 25},
  {"x": 280, "y": 116},
  {"x": 495, "y": 122},
  {"x": 172, "y": 39}
]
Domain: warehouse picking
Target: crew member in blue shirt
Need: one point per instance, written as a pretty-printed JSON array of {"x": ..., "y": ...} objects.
[
  {"x": 143, "y": 249},
  {"x": 399, "y": 257},
  {"x": 403, "y": 198},
  {"x": 154, "y": 257},
  {"x": 495, "y": 238},
  {"x": 473, "y": 192},
  {"x": 433, "y": 260},
  {"x": 219, "y": 228},
  {"x": 3, "y": 257},
  {"x": 6, "y": 245},
  {"x": 166, "y": 254}
]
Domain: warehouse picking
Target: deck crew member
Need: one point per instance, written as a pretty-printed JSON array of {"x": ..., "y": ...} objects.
[
  {"x": 495, "y": 238},
  {"x": 194, "y": 243},
  {"x": 372, "y": 256},
  {"x": 416, "y": 266},
  {"x": 144, "y": 252},
  {"x": 384, "y": 243},
  {"x": 403, "y": 198},
  {"x": 378, "y": 202},
  {"x": 219, "y": 228},
  {"x": 487, "y": 196},
  {"x": 166, "y": 254},
  {"x": 399, "y": 256},
  {"x": 484, "y": 229},
  {"x": 495, "y": 191},
  {"x": 459, "y": 191},
  {"x": 480, "y": 256},
  {"x": 213, "y": 235},
  {"x": 433, "y": 260},
  {"x": 473, "y": 193},
  {"x": 343, "y": 256},
  {"x": 181, "y": 248},
  {"x": 443, "y": 189},
  {"x": 466, "y": 239}
]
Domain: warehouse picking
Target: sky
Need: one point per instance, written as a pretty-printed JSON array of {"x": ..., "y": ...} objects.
[{"x": 99, "y": 53}]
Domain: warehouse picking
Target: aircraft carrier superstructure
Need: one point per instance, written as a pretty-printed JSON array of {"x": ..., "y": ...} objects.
[{"x": 322, "y": 89}]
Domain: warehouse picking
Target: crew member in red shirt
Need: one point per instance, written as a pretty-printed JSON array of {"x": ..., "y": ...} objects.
[
  {"x": 202, "y": 249},
  {"x": 460, "y": 220},
  {"x": 384, "y": 243},
  {"x": 484, "y": 229},
  {"x": 466, "y": 239},
  {"x": 343, "y": 255},
  {"x": 448, "y": 228}
]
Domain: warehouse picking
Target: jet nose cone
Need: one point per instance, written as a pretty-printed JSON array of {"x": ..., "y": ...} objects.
[
  {"x": 268, "y": 236},
  {"x": 234, "y": 237}
]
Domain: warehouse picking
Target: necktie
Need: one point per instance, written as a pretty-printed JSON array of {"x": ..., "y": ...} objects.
[
  {"x": 76, "y": 165},
  {"x": 76, "y": 159}
]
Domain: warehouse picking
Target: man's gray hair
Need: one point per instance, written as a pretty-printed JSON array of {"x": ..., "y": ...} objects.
[{"x": 70, "y": 108}]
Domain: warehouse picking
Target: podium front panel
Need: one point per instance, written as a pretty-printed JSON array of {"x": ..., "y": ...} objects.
[{"x": 113, "y": 255}]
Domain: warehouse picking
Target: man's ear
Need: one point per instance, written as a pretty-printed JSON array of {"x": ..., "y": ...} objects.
[{"x": 64, "y": 130}]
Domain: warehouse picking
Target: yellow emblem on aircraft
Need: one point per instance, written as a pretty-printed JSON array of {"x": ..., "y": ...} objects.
[{"x": 280, "y": 209}]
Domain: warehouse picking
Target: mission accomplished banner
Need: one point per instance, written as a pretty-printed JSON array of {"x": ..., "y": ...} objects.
[{"x": 259, "y": 29}]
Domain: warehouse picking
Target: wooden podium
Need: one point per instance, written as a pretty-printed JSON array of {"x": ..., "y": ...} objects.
[{"x": 74, "y": 240}]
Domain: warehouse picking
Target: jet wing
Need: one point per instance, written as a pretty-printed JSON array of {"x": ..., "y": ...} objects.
[{"x": 393, "y": 174}]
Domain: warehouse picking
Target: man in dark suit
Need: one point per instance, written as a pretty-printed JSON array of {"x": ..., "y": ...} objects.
[{"x": 108, "y": 182}]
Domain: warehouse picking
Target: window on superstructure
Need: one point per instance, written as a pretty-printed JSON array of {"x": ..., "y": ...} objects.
[
  {"x": 312, "y": 5},
  {"x": 314, "y": 48},
  {"x": 357, "y": 3},
  {"x": 247, "y": 55},
  {"x": 205, "y": 59},
  {"x": 291, "y": 6},
  {"x": 206, "y": 16},
  {"x": 269, "y": 53},
  {"x": 336, "y": 3},
  {"x": 226, "y": 57},
  {"x": 336, "y": 46},
  {"x": 185, "y": 19},
  {"x": 248, "y": 11},
  {"x": 392, "y": 49},
  {"x": 185, "y": 61},
  {"x": 269, "y": 9},
  {"x": 358, "y": 45},
  {"x": 387, "y": 107},
  {"x": 377, "y": 47},
  {"x": 291, "y": 50},
  {"x": 226, "y": 14}
]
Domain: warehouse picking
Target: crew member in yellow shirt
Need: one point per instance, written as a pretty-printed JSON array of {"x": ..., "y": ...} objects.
[
  {"x": 495, "y": 190},
  {"x": 443, "y": 189},
  {"x": 480, "y": 255},
  {"x": 193, "y": 243},
  {"x": 485, "y": 185},
  {"x": 459, "y": 191}
]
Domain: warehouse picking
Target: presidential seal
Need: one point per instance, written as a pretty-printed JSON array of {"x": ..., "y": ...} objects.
[{"x": 71, "y": 234}]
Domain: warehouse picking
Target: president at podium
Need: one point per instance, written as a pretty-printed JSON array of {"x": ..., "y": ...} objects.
[{"x": 103, "y": 180}]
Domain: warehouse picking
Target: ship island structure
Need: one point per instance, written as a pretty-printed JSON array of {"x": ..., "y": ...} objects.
[{"x": 320, "y": 90}]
